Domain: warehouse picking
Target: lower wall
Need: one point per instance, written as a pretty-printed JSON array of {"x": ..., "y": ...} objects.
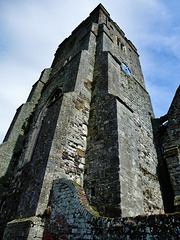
[{"x": 69, "y": 216}]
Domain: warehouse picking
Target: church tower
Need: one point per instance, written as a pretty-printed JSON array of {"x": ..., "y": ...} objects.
[{"x": 87, "y": 119}]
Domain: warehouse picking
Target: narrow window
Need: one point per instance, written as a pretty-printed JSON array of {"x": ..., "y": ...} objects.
[
  {"x": 107, "y": 21},
  {"x": 126, "y": 69},
  {"x": 123, "y": 48},
  {"x": 118, "y": 41}
]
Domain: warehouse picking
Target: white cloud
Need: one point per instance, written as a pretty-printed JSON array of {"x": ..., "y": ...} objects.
[{"x": 30, "y": 32}]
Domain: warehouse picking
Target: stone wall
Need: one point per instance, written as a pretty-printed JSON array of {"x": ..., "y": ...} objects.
[{"x": 69, "y": 216}]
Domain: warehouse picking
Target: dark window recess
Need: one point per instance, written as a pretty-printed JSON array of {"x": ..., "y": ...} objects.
[
  {"x": 118, "y": 42},
  {"x": 122, "y": 46},
  {"x": 55, "y": 96},
  {"x": 126, "y": 69},
  {"x": 92, "y": 191}
]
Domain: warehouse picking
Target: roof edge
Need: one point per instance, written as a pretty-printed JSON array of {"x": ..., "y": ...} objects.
[{"x": 100, "y": 7}]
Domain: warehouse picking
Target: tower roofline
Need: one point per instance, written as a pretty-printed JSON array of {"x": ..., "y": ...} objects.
[
  {"x": 100, "y": 6},
  {"x": 95, "y": 13},
  {"x": 97, "y": 9}
]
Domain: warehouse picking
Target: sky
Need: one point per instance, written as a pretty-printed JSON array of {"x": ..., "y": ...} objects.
[{"x": 30, "y": 32}]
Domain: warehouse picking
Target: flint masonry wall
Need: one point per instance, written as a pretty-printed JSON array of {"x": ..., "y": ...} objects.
[{"x": 69, "y": 216}]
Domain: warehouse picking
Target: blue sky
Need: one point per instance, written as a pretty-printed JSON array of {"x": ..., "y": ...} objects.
[{"x": 30, "y": 32}]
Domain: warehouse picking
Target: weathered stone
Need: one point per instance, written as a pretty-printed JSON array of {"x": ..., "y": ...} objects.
[{"x": 88, "y": 123}]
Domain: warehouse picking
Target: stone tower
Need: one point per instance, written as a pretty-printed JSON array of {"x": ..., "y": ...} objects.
[{"x": 87, "y": 119}]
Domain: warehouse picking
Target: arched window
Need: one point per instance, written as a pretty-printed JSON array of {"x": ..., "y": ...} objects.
[{"x": 52, "y": 99}]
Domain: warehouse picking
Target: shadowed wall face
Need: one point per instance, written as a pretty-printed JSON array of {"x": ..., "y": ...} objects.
[
  {"x": 38, "y": 163},
  {"x": 170, "y": 145}
]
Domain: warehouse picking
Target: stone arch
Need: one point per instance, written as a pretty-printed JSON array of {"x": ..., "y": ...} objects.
[
  {"x": 39, "y": 152},
  {"x": 55, "y": 95}
]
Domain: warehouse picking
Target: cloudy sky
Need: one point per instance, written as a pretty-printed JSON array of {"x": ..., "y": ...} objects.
[{"x": 30, "y": 32}]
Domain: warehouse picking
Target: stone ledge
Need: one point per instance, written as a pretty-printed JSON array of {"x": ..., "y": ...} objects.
[
  {"x": 24, "y": 228},
  {"x": 171, "y": 151},
  {"x": 23, "y": 221}
]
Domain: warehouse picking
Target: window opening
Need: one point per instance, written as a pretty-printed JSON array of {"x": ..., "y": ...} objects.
[
  {"x": 123, "y": 48},
  {"x": 55, "y": 96},
  {"x": 126, "y": 69},
  {"x": 118, "y": 41},
  {"x": 107, "y": 21}
]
